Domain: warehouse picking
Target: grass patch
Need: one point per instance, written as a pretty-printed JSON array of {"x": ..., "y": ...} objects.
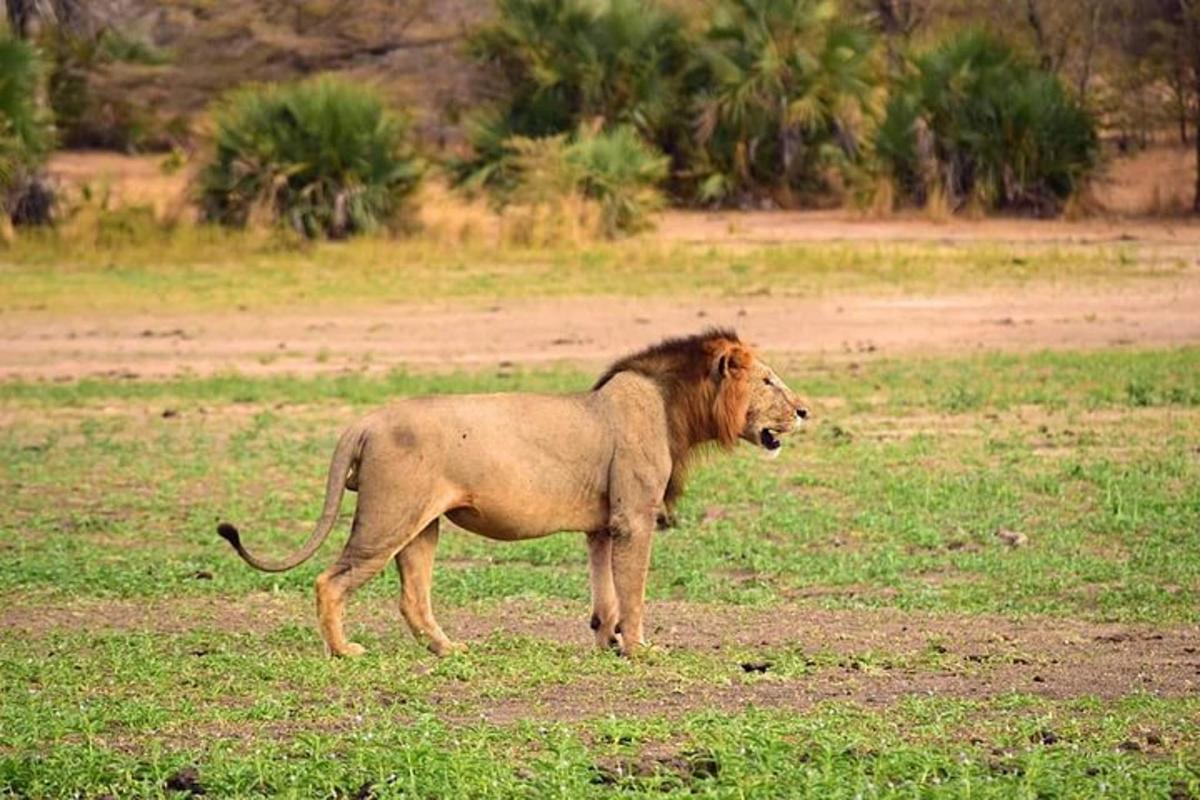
[
  {"x": 198, "y": 269},
  {"x": 892, "y": 500}
]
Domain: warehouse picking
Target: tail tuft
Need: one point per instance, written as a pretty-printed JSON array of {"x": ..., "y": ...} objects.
[{"x": 229, "y": 534}]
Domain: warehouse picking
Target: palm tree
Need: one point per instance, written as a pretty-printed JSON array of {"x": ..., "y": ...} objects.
[
  {"x": 783, "y": 78},
  {"x": 559, "y": 64},
  {"x": 26, "y": 133}
]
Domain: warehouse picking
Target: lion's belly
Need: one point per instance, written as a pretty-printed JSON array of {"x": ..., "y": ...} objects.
[{"x": 497, "y": 518}]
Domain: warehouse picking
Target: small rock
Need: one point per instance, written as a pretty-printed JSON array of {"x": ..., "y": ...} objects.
[
  {"x": 185, "y": 780},
  {"x": 1012, "y": 538},
  {"x": 755, "y": 666},
  {"x": 168, "y": 413},
  {"x": 1045, "y": 736},
  {"x": 1129, "y": 746}
]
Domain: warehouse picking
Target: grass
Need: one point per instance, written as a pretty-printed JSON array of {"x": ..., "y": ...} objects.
[
  {"x": 138, "y": 654},
  {"x": 122, "y": 268}
]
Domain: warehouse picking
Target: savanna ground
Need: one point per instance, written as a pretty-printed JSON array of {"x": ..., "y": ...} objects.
[{"x": 975, "y": 574}]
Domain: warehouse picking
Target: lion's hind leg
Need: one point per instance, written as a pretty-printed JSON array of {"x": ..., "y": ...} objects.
[
  {"x": 605, "y": 611},
  {"x": 381, "y": 529},
  {"x": 415, "y": 565}
]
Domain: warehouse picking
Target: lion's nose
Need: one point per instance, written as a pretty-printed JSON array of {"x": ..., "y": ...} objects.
[{"x": 802, "y": 412}]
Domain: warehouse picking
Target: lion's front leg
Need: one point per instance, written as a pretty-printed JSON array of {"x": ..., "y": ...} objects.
[
  {"x": 605, "y": 609},
  {"x": 631, "y": 537}
]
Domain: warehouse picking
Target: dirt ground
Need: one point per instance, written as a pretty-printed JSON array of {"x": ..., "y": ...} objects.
[
  {"x": 1148, "y": 312},
  {"x": 587, "y": 331},
  {"x": 866, "y": 656}
]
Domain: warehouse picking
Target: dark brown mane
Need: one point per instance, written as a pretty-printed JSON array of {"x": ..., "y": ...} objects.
[{"x": 703, "y": 379}]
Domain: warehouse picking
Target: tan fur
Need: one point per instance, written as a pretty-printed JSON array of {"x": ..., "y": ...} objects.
[{"x": 518, "y": 466}]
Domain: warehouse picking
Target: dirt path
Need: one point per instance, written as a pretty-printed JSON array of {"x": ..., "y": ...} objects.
[
  {"x": 1158, "y": 312},
  {"x": 771, "y": 227}
]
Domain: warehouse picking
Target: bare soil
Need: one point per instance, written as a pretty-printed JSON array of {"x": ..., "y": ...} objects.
[
  {"x": 870, "y": 657},
  {"x": 1161, "y": 312}
]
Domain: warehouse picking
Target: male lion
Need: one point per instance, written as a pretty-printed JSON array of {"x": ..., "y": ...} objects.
[{"x": 518, "y": 466}]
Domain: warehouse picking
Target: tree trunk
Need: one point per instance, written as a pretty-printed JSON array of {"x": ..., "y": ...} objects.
[
  {"x": 1196, "y": 136},
  {"x": 1034, "y": 17},
  {"x": 1191, "y": 25},
  {"x": 1089, "y": 50},
  {"x": 20, "y": 15}
]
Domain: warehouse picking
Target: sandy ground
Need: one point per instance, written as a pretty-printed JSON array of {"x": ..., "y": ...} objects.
[
  {"x": 1166, "y": 236},
  {"x": 1160, "y": 312},
  {"x": 1148, "y": 312}
]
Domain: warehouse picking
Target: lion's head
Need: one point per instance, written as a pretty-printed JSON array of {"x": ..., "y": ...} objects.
[
  {"x": 717, "y": 389},
  {"x": 751, "y": 401}
]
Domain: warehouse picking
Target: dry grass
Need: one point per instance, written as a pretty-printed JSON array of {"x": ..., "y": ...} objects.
[
  {"x": 1159, "y": 181},
  {"x": 115, "y": 181}
]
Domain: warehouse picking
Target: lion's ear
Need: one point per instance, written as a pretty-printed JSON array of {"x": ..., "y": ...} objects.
[
  {"x": 733, "y": 396},
  {"x": 722, "y": 367},
  {"x": 732, "y": 360}
]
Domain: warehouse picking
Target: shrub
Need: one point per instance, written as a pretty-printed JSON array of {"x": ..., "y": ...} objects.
[
  {"x": 91, "y": 103},
  {"x": 614, "y": 169},
  {"x": 323, "y": 156},
  {"x": 26, "y": 134},
  {"x": 560, "y": 64},
  {"x": 784, "y": 89},
  {"x": 620, "y": 171},
  {"x": 979, "y": 123}
]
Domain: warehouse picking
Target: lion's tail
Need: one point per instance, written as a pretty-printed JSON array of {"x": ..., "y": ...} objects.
[{"x": 345, "y": 456}]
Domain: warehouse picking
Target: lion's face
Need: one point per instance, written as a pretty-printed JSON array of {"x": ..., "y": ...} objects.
[{"x": 774, "y": 409}]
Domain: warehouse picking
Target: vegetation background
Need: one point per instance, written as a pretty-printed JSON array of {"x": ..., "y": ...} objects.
[{"x": 950, "y": 105}]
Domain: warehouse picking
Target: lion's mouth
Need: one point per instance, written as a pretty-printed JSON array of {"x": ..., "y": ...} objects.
[{"x": 769, "y": 439}]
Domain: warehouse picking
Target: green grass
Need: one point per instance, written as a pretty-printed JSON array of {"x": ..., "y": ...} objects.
[
  {"x": 203, "y": 269},
  {"x": 891, "y": 500}
]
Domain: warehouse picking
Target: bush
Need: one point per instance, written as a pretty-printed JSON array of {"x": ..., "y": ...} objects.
[
  {"x": 784, "y": 89},
  {"x": 26, "y": 134},
  {"x": 976, "y": 122},
  {"x": 620, "y": 171},
  {"x": 614, "y": 169},
  {"x": 93, "y": 106},
  {"x": 561, "y": 64},
  {"x": 322, "y": 156}
]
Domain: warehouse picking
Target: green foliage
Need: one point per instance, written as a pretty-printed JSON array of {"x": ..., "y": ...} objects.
[
  {"x": 26, "y": 134},
  {"x": 126, "y": 49},
  {"x": 786, "y": 89},
  {"x": 620, "y": 171},
  {"x": 565, "y": 63},
  {"x": 323, "y": 156},
  {"x": 91, "y": 103},
  {"x": 979, "y": 122},
  {"x": 616, "y": 169},
  {"x": 771, "y": 93}
]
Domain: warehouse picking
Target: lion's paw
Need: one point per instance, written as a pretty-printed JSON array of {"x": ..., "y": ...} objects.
[
  {"x": 449, "y": 649},
  {"x": 353, "y": 650}
]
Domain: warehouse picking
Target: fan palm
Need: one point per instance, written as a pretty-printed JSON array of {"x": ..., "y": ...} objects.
[
  {"x": 324, "y": 156},
  {"x": 781, "y": 80},
  {"x": 563, "y": 63},
  {"x": 25, "y": 131},
  {"x": 996, "y": 127}
]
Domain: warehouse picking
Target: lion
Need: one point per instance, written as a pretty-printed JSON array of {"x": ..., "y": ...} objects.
[{"x": 606, "y": 462}]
